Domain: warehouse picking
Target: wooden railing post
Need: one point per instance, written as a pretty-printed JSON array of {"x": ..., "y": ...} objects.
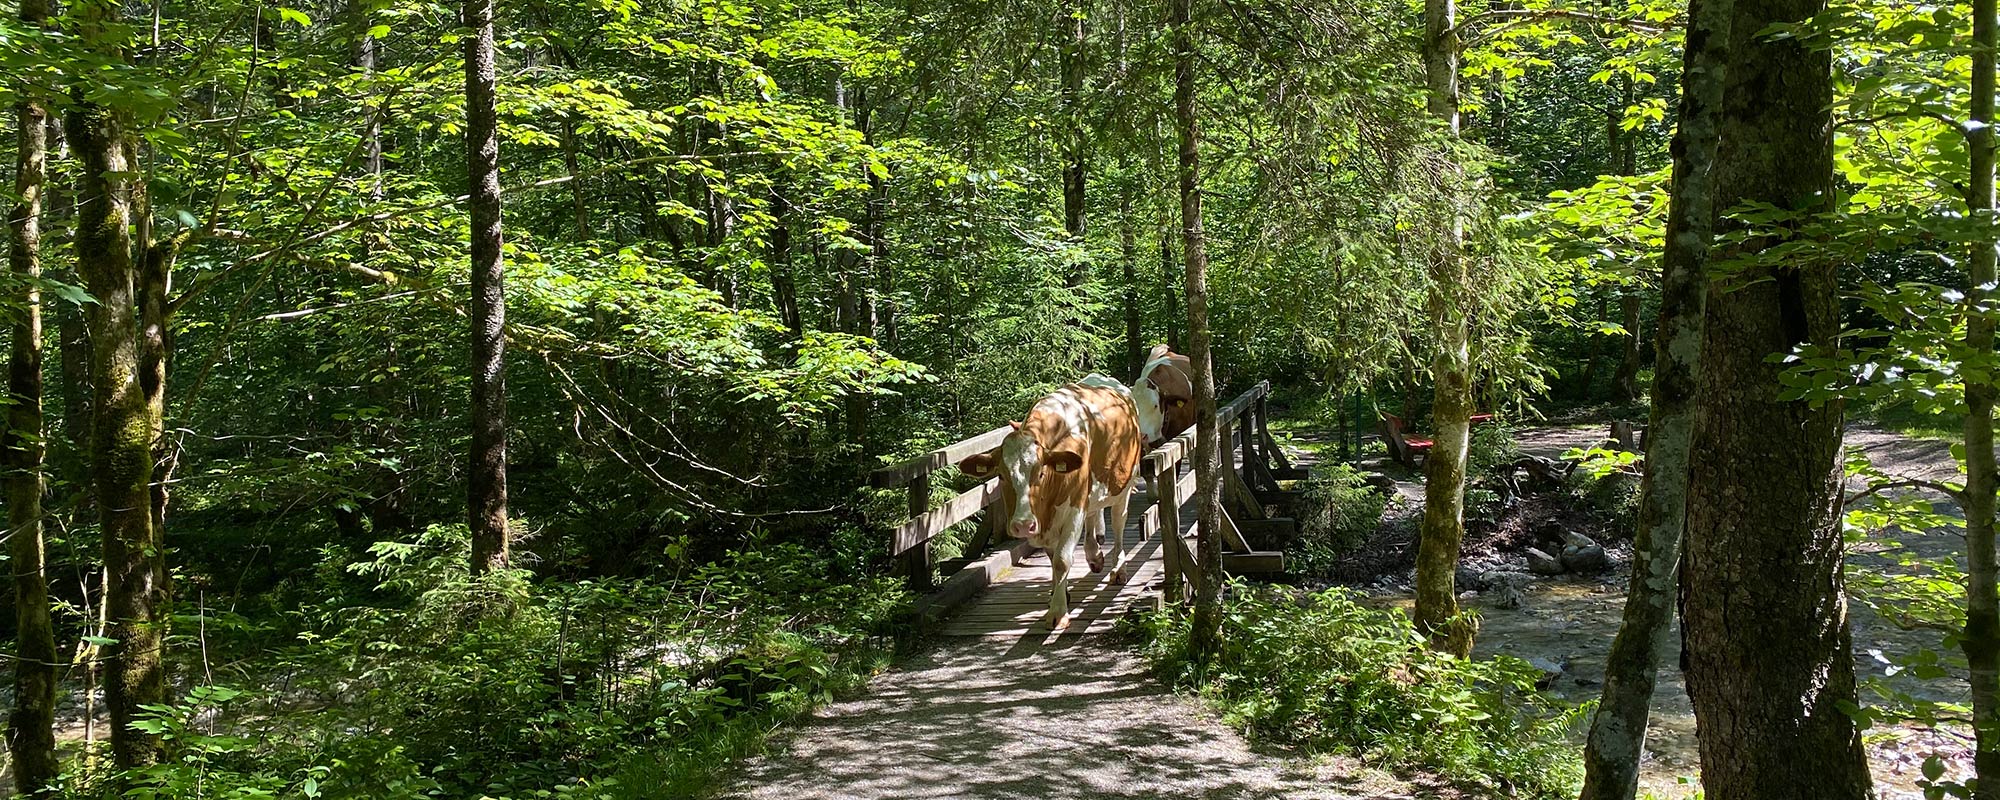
[
  {"x": 917, "y": 560},
  {"x": 1262, "y": 430},
  {"x": 1164, "y": 491},
  {"x": 1245, "y": 431}
]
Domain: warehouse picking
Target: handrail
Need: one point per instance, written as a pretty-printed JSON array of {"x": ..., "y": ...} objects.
[{"x": 896, "y": 475}]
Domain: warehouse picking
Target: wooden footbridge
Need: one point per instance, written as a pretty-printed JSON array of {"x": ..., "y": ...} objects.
[{"x": 1001, "y": 589}]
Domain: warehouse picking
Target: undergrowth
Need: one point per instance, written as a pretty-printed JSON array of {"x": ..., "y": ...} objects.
[
  {"x": 1326, "y": 673},
  {"x": 1337, "y": 511},
  {"x": 415, "y": 680}
]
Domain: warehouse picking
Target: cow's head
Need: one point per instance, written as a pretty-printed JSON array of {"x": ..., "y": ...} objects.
[
  {"x": 1164, "y": 396},
  {"x": 1034, "y": 481}
]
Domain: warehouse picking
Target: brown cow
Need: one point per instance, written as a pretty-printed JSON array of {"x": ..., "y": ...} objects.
[
  {"x": 1071, "y": 460},
  {"x": 1164, "y": 395}
]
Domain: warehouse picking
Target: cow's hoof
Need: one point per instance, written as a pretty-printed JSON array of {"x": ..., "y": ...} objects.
[
  {"x": 1118, "y": 577},
  {"x": 1059, "y": 624},
  {"x": 1096, "y": 568}
]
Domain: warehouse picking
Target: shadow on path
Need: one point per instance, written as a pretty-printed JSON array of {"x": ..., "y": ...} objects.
[{"x": 1071, "y": 717}]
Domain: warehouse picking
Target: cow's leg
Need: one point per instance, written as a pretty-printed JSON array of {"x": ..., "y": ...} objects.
[
  {"x": 1120, "y": 504},
  {"x": 1093, "y": 537},
  {"x": 1062, "y": 545}
]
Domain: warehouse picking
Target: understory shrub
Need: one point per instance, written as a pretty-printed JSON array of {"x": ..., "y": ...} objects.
[
  {"x": 1324, "y": 672},
  {"x": 1492, "y": 445},
  {"x": 426, "y": 682},
  {"x": 1337, "y": 511},
  {"x": 1607, "y": 483}
]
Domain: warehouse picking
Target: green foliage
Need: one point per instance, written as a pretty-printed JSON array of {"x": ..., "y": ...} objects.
[
  {"x": 1337, "y": 511},
  {"x": 1327, "y": 672},
  {"x": 1606, "y": 481},
  {"x": 413, "y": 680},
  {"x": 1492, "y": 445}
]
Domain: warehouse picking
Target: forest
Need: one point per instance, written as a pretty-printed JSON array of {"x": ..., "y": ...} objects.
[{"x": 708, "y": 399}]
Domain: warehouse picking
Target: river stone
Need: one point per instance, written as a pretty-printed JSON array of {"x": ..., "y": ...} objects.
[
  {"x": 1508, "y": 589},
  {"x": 1468, "y": 579},
  {"x": 1542, "y": 563},
  {"x": 1590, "y": 559},
  {"x": 1578, "y": 540}
]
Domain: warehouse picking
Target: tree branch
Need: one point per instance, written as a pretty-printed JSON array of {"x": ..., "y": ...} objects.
[
  {"x": 1524, "y": 16},
  {"x": 1907, "y": 483}
]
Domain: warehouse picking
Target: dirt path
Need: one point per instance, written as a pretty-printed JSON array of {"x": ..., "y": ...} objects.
[{"x": 1075, "y": 718}]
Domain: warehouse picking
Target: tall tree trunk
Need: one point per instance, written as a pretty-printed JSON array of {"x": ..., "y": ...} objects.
[
  {"x": 31, "y": 725},
  {"x": 1593, "y": 354},
  {"x": 488, "y": 482},
  {"x": 155, "y": 283},
  {"x": 1625, "y": 381},
  {"x": 1074, "y": 139},
  {"x": 366, "y": 54},
  {"x": 122, "y": 438},
  {"x": 784, "y": 280},
  {"x": 1982, "y": 618},
  {"x": 1763, "y": 528},
  {"x": 1208, "y": 467},
  {"x": 1169, "y": 268},
  {"x": 1451, "y": 364},
  {"x": 1618, "y": 731},
  {"x": 1128, "y": 235},
  {"x": 579, "y": 207}
]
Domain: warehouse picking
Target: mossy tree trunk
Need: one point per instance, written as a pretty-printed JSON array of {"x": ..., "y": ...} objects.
[
  {"x": 1207, "y": 622},
  {"x": 31, "y": 724},
  {"x": 123, "y": 435},
  {"x": 1443, "y": 530},
  {"x": 1618, "y": 731}
]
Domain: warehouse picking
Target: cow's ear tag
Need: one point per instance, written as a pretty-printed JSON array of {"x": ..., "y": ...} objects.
[
  {"x": 1180, "y": 403},
  {"x": 979, "y": 466},
  {"x": 1065, "y": 461}
]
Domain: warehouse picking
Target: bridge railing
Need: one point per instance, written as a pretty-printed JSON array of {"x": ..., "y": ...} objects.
[{"x": 1248, "y": 447}]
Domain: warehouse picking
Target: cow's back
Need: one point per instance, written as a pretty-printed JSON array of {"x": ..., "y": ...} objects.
[
  {"x": 1116, "y": 443},
  {"x": 1173, "y": 374}
]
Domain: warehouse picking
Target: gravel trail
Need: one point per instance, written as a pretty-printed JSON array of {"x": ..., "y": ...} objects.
[{"x": 1075, "y": 717}]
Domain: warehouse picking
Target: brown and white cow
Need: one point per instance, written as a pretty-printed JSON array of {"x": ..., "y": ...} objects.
[
  {"x": 1164, "y": 395},
  {"x": 1072, "y": 459}
]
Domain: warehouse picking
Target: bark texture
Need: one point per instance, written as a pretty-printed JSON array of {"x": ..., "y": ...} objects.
[
  {"x": 1982, "y": 629},
  {"x": 488, "y": 483},
  {"x": 1618, "y": 730},
  {"x": 1443, "y": 531},
  {"x": 1207, "y": 622},
  {"x": 122, "y": 438},
  {"x": 1128, "y": 246},
  {"x": 1074, "y": 139},
  {"x": 1765, "y": 626},
  {"x": 31, "y": 724},
  {"x": 1625, "y": 381}
]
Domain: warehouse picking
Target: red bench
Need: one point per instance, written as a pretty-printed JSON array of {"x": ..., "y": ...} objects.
[{"x": 1406, "y": 449}]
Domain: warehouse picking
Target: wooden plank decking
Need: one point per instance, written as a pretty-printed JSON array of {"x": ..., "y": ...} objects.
[{"x": 1014, "y": 605}]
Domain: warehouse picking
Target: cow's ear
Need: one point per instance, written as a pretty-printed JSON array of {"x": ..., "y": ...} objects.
[
  {"x": 979, "y": 466},
  {"x": 1064, "y": 461}
]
